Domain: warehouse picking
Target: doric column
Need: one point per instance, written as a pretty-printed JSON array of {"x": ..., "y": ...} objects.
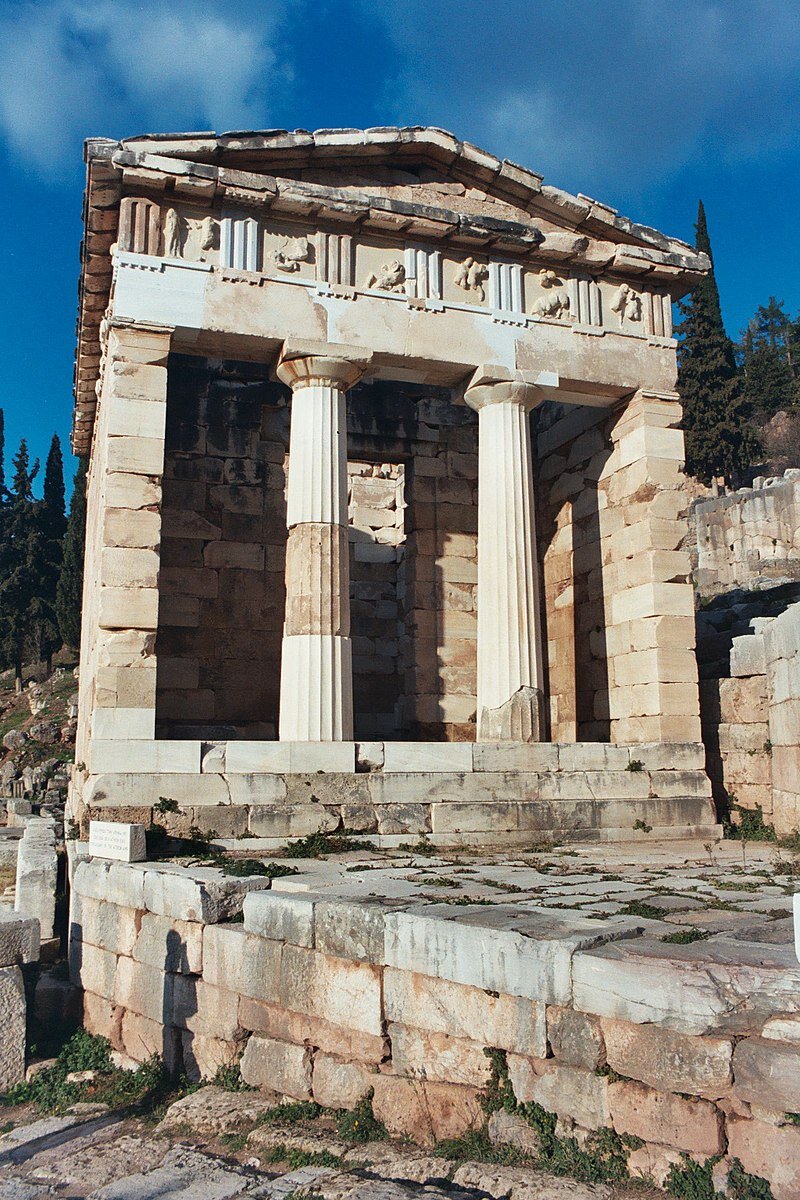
[
  {"x": 510, "y": 687},
  {"x": 316, "y": 703}
]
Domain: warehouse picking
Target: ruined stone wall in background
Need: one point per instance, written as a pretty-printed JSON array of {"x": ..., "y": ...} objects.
[
  {"x": 748, "y": 647},
  {"x": 748, "y": 537}
]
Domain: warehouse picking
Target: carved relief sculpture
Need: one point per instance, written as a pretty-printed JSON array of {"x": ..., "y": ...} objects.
[
  {"x": 626, "y": 304},
  {"x": 390, "y": 278},
  {"x": 554, "y": 303},
  {"x": 208, "y": 230},
  {"x": 471, "y": 276},
  {"x": 295, "y": 250},
  {"x": 172, "y": 234}
]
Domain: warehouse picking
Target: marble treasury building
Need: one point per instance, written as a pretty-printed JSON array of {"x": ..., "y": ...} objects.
[{"x": 386, "y": 509}]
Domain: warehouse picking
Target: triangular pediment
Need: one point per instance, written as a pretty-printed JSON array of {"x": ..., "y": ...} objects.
[{"x": 418, "y": 165}]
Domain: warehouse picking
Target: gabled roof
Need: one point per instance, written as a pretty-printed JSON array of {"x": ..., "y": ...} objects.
[
  {"x": 271, "y": 167},
  {"x": 281, "y": 152}
]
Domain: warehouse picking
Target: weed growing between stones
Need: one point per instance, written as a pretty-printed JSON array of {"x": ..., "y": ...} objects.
[
  {"x": 683, "y": 937},
  {"x": 423, "y": 846},
  {"x": 642, "y": 826},
  {"x": 242, "y": 867},
  {"x": 602, "y": 1160},
  {"x": 229, "y": 1078},
  {"x": 750, "y": 827},
  {"x": 694, "y": 1181},
  {"x": 234, "y": 1141},
  {"x": 476, "y": 1147},
  {"x": 641, "y": 908},
  {"x": 53, "y": 1091},
  {"x": 290, "y": 1113},
  {"x": 635, "y": 765},
  {"x": 301, "y": 1158},
  {"x": 361, "y": 1125},
  {"x": 318, "y": 845}
]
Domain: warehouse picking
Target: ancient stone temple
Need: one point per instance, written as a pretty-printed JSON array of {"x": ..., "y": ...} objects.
[{"x": 386, "y": 503}]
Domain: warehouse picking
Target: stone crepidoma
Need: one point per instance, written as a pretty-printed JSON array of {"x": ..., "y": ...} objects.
[{"x": 340, "y": 542}]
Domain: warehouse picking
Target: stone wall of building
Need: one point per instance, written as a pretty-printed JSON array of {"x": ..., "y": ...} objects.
[
  {"x": 223, "y": 549},
  {"x": 749, "y": 655},
  {"x": 618, "y": 610},
  {"x": 749, "y": 537},
  {"x": 682, "y": 1050},
  {"x": 376, "y": 512},
  {"x": 413, "y": 532}
]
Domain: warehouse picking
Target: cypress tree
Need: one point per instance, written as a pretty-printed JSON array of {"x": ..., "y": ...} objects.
[
  {"x": 719, "y": 437},
  {"x": 52, "y": 523},
  {"x": 20, "y": 550},
  {"x": 69, "y": 593}
]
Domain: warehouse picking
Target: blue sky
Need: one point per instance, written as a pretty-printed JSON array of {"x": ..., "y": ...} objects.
[{"x": 645, "y": 104}]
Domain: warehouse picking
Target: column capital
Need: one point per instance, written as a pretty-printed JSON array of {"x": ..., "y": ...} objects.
[
  {"x": 307, "y": 364},
  {"x": 492, "y": 384}
]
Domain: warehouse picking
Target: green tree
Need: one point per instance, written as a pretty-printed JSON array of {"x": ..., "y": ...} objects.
[
  {"x": 770, "y": 360},
  {"x": 720, "y": 440},
  {"x": 69, "y": 593},
  {"x": 20, "y": 550},
  {"x": 52, "y": 523}
]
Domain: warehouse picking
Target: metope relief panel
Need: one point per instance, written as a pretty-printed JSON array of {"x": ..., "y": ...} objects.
[
  {"x": 472, "y": 278},
  {"x": 423, "y": 269},
  {"x": 553, "y": 301},
  {"x": 505, "y": 288},
  {"x": 139, "y": 226},
  {"x": 239, "y": 242},
  {"x": 627, "y": 305},
  {"x": 334, "y": 259}
]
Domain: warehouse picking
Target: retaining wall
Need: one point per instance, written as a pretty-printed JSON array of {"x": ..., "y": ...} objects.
[
  {"x": 750, "y": 703},
  {"x": 688, "y": 1048},
  {"x": 748, "y": 537}
]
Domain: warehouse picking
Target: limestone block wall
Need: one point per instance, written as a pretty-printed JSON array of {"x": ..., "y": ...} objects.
[
  {"x": 435, "y": 440},
  {"x": 748, "y": 537},
  {"x": 413, "y": 532},
  {"x": 223, "y": 549},
  {"x": 376, "y": 512},
  {"x": 619, "y": 607},
  {"x": 683, "y": 1049},
  {"x": 750, "y": 702}
]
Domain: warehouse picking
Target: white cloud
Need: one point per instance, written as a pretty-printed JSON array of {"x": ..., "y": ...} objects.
[{"x": 70, "y": 69}]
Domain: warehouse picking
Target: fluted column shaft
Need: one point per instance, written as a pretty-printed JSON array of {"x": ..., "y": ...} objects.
[
  {"x": 510, "y": 686},
  {"x": 316, "y": 695}
]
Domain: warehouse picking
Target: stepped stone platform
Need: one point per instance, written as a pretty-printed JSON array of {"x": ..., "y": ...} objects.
[
  {"x": 458, "y": 793},
  {"x": 647, "y": 989}
]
